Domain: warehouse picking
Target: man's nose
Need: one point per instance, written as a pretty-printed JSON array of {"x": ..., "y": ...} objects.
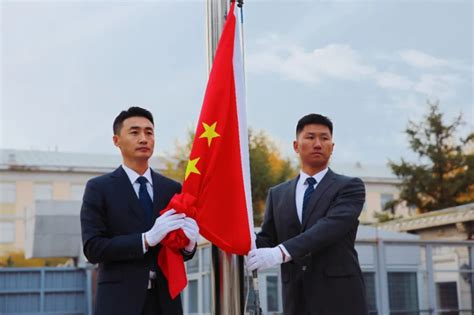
[
  {"x": 317, "y": 143},
  {"x": 142, "y": 138}
]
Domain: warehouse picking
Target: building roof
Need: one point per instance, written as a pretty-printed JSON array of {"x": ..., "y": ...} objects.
[
  {"x": 28, "y": 160},
  {"x": 453, "y": 215},
  {"x": 365, "y": 171}
]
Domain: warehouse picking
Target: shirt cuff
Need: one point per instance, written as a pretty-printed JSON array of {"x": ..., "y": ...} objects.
[
  {"x": 287, "y": 255},
  {"x": 143, "y": 243},
  {"x": 190, "y": 247}
]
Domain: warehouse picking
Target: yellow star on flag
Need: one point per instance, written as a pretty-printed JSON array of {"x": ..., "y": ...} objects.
[
  {"x": 191, "y": 168},
  {"x": 209, "y": 132}
]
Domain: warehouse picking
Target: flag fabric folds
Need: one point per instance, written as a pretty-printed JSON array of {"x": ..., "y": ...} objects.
[{"x": 216, "y": 189}]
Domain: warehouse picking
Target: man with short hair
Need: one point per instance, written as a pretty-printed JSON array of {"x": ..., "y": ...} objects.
[
  {"x": 122, "y": 228},
  {"x": 310, "y": 226}
]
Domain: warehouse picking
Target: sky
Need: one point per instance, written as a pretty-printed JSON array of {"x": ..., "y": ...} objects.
[{"x": 69, "y": 67}]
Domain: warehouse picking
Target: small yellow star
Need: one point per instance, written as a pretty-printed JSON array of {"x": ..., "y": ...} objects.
[
  {"x": 191, "y": 168},
  {"x": 210, "y": 132}
]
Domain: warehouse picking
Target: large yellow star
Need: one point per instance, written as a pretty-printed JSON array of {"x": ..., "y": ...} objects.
[
  {"x": 209, "y": 132},
  {"x": 191, "y": 168}
]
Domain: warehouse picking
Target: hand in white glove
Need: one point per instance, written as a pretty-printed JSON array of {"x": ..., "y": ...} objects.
[
  {"x": 263, "y": 258},
  {"x": 191, "y": 230},
  {"x": 167, "y": 222}
]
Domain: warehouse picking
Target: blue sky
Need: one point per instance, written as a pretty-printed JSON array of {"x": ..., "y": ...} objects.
[{"x": 69, "y": 67}]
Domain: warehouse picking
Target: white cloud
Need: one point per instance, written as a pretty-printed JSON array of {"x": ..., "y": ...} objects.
[
  {"x": 438, "y": 86},
  {"x": 294, "y": 63},
  {"x": 391, "y": 80},
  {"x": 336, "y": 61},
  {"x": 420, "y": 59}
]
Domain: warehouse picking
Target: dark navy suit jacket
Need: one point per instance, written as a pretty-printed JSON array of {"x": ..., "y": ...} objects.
[
  {"x": 112, "y": 222},
  {"x": 324, "y": 276}
]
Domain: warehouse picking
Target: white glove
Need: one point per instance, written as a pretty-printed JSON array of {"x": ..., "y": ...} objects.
[
  {"x": 191, "y": 230},
  {"x": 167, "y": 222},
  {"x": 263, "y": 258}
]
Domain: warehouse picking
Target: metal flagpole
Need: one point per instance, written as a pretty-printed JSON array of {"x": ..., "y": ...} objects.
[
  {"x": 227, "y": 270},
  {"x": 258, "y": 310}
]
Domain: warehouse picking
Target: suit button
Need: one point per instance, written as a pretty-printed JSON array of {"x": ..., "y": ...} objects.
[{"x": 303, "y": 268}]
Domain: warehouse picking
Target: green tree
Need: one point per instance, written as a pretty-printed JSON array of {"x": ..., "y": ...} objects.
[
  {"x": 267, "y": 167},
  {"x": 444, "y": 174}
]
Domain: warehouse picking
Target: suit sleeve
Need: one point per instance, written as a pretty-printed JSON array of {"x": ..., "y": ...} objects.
[
  {"x": 341, "y": 217},
  {"x": 267, "y": 235},
  {"x": 98, "y": 245}
]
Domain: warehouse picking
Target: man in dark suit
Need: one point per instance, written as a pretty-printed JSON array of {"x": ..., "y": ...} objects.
[
  {"x": 310, "y": 227},
  {"x": 122, "y": 229}
]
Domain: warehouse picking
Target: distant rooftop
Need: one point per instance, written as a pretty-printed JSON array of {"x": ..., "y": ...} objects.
[
  {"x": 28, "y": 160},
  {"x": 453, "y": 215},
  {"x": 365, "y": 171}
]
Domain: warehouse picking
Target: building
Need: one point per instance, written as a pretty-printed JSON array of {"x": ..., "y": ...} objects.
[
  {"x": 451, "y": 264},
  {"x": 381, "y": 187},
  {"x": 29, "y": 176}
]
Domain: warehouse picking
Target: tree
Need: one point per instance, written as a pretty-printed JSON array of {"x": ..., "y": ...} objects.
[
  {"x": 267, "y": 167},
  {"x": 444, "y": 174}
]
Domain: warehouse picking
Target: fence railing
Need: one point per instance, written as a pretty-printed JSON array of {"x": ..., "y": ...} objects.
[{"x": 45, "y": 291}]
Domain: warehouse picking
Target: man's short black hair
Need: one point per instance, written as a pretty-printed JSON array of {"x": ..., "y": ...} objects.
[
  {"x": 131, "y": 112},
  {"x": 313, "y": 119}
]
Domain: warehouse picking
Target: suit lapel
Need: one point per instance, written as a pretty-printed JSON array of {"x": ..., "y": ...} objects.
[
  {"x": 127, "y": 192},
  {"x": 289, "y": 209},
  {"x": 327, "y": 181}
]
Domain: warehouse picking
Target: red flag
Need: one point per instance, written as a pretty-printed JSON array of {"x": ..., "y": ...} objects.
[{"x": 216, "y": 190}]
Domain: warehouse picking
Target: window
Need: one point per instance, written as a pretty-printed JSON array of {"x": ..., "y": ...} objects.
[
  {"x": 272, "y": 293},
  {"x": 197, "y": 294},
  {"x": 43, "y": 192},
  {"x": 192, "y": 296},
  {"x": 447, "y": 294},
  {"x": 403, "y": 293},
  {"x": 384, "y": 199},
  {"x": 7, "y": 232},
  {"x": 7, "y": 193},
  {"x": 77, "y": 191},
  {"x": 369, "y": 279}
]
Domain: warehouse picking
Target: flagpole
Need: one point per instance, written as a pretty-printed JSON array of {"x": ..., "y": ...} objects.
[
  {"x": 255, "y": 286},
  {"x": 227, "y": 269}
]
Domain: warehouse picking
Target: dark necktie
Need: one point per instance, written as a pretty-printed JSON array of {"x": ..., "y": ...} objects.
[
  {"x": 144, "y": 197},
  {"x": 307, "y": 195}
]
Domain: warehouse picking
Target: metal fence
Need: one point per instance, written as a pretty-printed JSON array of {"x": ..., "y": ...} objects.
[
  {"x": 418, "y": 277},
  {"x": 402, "y": 278},
  {"x": 47, "y": 290}
]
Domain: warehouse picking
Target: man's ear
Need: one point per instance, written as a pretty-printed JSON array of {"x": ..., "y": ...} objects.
[
  {"x": 116, "y": 140},
  {"x": 295, "y": 146}
]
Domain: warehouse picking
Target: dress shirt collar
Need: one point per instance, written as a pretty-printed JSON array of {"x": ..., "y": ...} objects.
[
  {"x": 133, "y": 176},
  {"x": 318, "y": 176}
]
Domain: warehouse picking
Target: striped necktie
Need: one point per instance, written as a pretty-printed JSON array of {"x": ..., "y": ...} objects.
[{"x": 307, "y": 195}]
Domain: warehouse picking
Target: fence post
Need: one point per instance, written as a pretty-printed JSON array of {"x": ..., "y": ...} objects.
[
  {"x": 430, "y": 278},
  {"x": 382, "y": 279},
  {"x": 88, "y": 290}
]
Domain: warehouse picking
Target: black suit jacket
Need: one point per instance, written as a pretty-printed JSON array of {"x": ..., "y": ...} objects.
[
  {"x": 324, "y": 276},
  {"x": 112, "y": 222}
]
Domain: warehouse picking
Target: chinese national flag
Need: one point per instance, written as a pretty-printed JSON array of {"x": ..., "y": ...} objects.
[{"x": 216, "y": 190}]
